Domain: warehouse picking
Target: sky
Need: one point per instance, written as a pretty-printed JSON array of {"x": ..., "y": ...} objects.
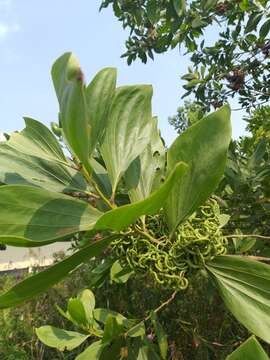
[{"x": 33, "y": 34}]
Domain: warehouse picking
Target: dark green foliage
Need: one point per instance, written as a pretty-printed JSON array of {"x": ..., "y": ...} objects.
[
  {"x": 235, "y": 63},
  {"x": 245, "y": 187},
  {"x": 187, "y": 331}
]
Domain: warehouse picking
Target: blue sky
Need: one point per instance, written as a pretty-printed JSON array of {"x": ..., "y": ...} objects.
[{"x": 34, "y": 33}]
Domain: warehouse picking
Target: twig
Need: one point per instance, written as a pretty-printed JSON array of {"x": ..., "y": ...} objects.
[
  {"x": 247, "y": 236},
  {"x": 158, "y": 309},
  {"x": 146, "y": 234},
  {"x": 215, "y": 343},
  {"x": 100, "y": 193},
  {"x": 167, "y": 302}
]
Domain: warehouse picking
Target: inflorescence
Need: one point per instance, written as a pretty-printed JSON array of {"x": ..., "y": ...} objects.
[{"x": 173, "y": 260}]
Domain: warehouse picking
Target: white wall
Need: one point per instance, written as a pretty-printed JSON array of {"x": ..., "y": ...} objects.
[{"x": 20, "y": 258}]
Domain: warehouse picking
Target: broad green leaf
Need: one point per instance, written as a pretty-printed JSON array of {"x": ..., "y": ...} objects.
[
  {"x": 191, "y": 84},
  {"x": 20, "y": 168},
  {"x": 100, "y": 272},
  {"x": 119, "y": 218},
  {"x": 188, "y": 76},
  {"x": 38, "y": 283},
  {"x": 161, "y": 336},
  {"x": 147, "y": 352},
  {"x": 93, "y": 352},
  {"x": 31, "y": 216},
  {"x": 99, "y": 94},
  {"x": 101, "y": 316},
  {"x": 137, "y": 330},
  {"x": 19, "y": 241},
  {"x": 101, "y": 178},
  {"x": 148, "y": 168},
  {"x": 249, "y": 350},
  {"x": 264, "y": 30},
  {"x": 59, "y": 338},
  {"x": 34, "y": 157},
  {"x": 203, "y": 147},
  {"x": 112, "y": 329},
  {"x": 253, "y": 22},
  {"x": 74, "y": 116},
  {"x": 119, "y": 274},
  {"x": 153, "y": 10},
  {"x": 196, "y": 23},
  {"x": 128, "y": 131},
  {"x": 37, "y": 140},
  {"x": 179, "y": 6},
  {"x": 132, "y": 176},
  {"x": 244, "y": 286},
  {"x": 223, "y": 219},
  {"x": 87, "y": 298},
  {"x": 244, "y": 244},
  {"x": 76, "y": 311}
]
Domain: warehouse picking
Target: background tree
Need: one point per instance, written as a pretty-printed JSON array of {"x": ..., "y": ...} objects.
[
  {"x": 186, "y": 115},
  {"x": 236, "y": 63}
]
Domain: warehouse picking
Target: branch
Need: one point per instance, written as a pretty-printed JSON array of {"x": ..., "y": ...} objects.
[
  {"x": 158, "y": 309},
  {"x": 248, "y": 235}
]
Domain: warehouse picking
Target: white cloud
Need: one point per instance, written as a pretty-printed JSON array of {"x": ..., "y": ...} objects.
[{"x": 6, "y": 29}]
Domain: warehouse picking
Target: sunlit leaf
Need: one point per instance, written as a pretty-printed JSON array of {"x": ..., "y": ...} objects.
[
  {"x": 119, "y": 274},
  {"x": 34, "y": 157},
  {"x": 244, "y": 286},
  {"x": 119, "y": 218},
  {"x": 101, "y": 316},
  {"x": 37, "y": 140},
  {"x": 87, "y": 299},
  {"x": 249, "y": 350},
  {"x": 93, "y": 352},
  {"x": 147, "y": 170},
  {"x": 128, "y": 131},
  {"x": 76, "y": 311},
  {"x": 203, "y": 146},
  {"x": 59, "y": 338},
  {"x": 99, "y": 94},
  {"x": 74, "y": 116},
  {"x": 31, "y": 216}
]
